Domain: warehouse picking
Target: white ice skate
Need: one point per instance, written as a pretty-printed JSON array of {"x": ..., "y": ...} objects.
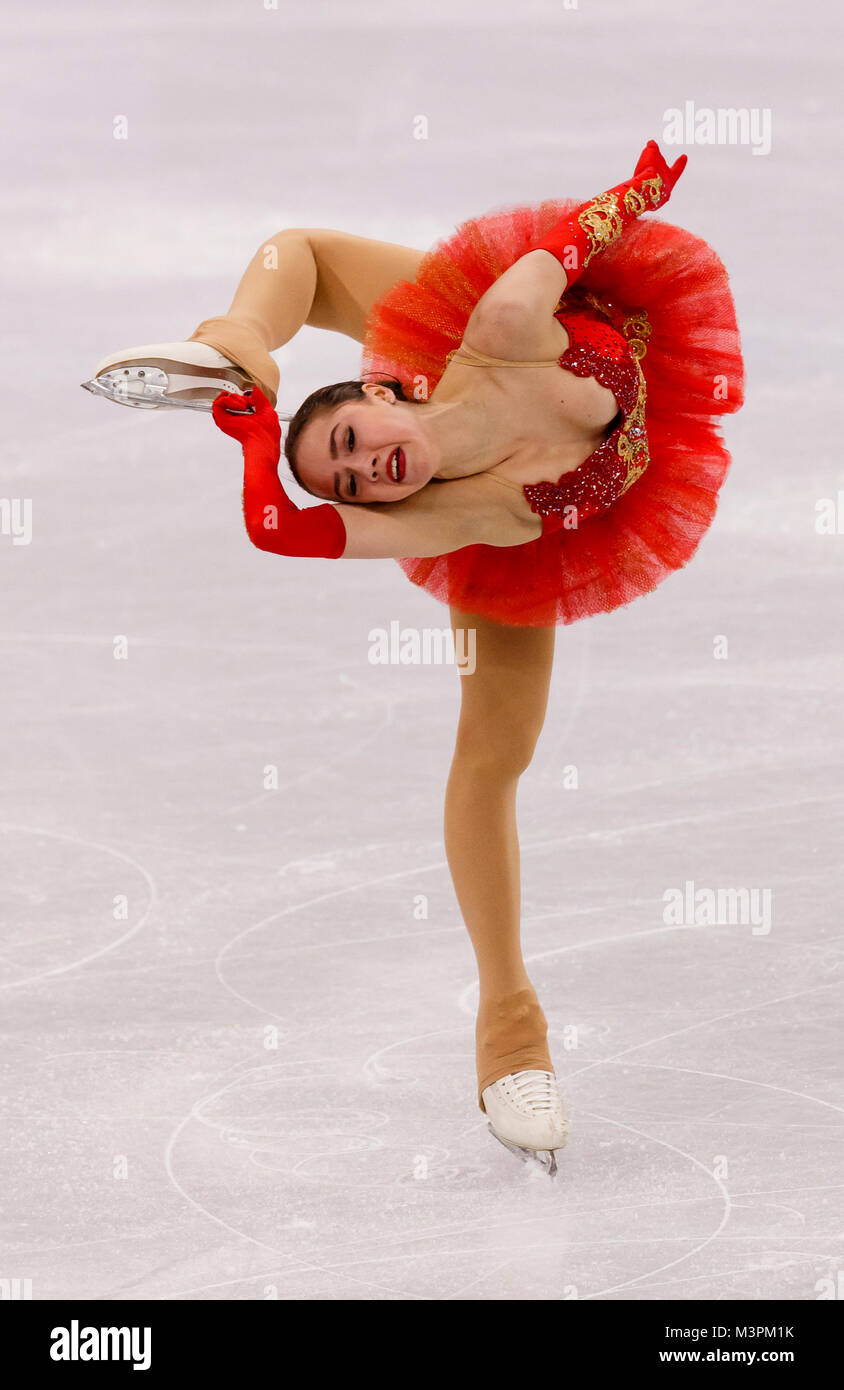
[
  {"x": 184, "y": 376},
  {"x": 526, "y": 1115}
]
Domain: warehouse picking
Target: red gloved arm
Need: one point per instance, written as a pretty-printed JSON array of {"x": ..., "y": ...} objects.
[
  {"x": 273, "y": 522},
  {"x": 593, "y": 226}
]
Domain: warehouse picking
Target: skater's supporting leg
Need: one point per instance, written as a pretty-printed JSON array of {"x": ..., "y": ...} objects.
[
  {"x": 502, "y": 712},
  {"x": 312, "y": 276}
]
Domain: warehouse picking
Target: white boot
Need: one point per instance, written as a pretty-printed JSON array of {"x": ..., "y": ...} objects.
[
  {"x": 526, "y": 1114},
  {"x": 186, "y": 376}
]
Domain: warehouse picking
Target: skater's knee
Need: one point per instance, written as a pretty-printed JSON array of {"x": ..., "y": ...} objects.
[
  {"x": 497, "y": 753},
  {"x": 271, "y": 248},
  {"x": 315, "y": 239}
]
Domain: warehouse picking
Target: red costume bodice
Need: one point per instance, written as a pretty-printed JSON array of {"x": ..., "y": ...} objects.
[{"x": 607, "y": 344}]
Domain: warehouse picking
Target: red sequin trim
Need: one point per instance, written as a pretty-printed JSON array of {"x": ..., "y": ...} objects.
[{"x": 596, "y": 349}]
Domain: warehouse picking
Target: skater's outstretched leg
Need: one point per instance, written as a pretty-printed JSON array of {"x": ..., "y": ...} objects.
[
  {"x": 319, "y": 277},
  {"x": 314, "y": 276}
]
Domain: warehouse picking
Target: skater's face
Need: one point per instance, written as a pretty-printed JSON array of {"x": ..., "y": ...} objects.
[{"x": 369, "y": 450}]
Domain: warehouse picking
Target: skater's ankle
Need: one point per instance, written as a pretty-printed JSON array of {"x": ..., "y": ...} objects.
[
  {"x": 240, "y": 340},
  {"x": 501, "y": 990},
  {"x": 255, "y": 326}
]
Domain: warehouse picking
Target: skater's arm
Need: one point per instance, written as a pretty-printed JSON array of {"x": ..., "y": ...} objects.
[
  {"x": 515, "y": 318},
  {"x": 440, "y": 518},
  {"x": 437, "y": 519}
]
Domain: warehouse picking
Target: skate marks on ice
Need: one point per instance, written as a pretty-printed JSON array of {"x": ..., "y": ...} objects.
[
  {"x": 360, "y": 1157},
  {"x": 82, "y": 873},
  {"x": 427, "y": 1081}
]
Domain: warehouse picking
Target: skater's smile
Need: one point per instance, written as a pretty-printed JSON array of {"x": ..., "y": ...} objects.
[{"x": 367, "y": 450}]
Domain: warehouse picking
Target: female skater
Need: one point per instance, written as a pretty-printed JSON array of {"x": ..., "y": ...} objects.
[{"x": 583, "y": 461}]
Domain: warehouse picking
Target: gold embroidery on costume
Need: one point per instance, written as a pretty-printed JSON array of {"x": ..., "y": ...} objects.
[
  {"x": 602, "y": 222},
  {"x": 654, "y": 187},
  {"x": 634, "y": 202},
  {"x": 595, "y": 303},
  {"x": 632, "y": 444},
  {"x": 637, "y": 331},
  {"x": 636, "y": 327}
]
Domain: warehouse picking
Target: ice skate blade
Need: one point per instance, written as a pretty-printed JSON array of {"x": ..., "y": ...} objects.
[
  {"x": 546, "y": 1158},
  {"x": 151, "y": 388}
]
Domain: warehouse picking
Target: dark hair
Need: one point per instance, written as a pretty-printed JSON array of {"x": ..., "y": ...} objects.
[{"x": 320, "y": 401}]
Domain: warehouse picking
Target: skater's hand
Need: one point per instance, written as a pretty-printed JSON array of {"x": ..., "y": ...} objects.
[
  {"x": 247, "y": 417},
  {"x": 651, "y": 162}
]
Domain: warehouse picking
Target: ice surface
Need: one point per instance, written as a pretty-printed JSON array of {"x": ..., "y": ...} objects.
[{"x": 237, "y": 1061}]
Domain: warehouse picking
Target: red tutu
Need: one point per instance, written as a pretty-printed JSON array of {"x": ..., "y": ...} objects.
[{"x": 694, "y": 373}]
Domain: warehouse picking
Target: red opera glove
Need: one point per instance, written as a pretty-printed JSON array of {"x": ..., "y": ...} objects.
[
  {"x": 272, "y": 520},
  {"x": 596, "y": 225}
]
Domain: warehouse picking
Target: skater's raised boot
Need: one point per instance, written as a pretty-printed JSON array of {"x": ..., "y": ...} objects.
[{"x": 223, "y": 354}]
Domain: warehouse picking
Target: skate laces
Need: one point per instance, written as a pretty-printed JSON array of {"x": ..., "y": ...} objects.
[{"x": 535, "y": 1088}]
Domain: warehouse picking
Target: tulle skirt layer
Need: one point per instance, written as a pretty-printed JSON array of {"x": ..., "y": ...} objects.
[{"x": 694, "y": 374}]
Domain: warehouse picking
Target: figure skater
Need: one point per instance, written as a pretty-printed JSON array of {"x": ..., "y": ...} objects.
[{"x": 570, "y": 354}]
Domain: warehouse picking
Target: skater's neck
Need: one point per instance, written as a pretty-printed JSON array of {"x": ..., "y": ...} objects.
[{"x": 461, "y": 437}]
